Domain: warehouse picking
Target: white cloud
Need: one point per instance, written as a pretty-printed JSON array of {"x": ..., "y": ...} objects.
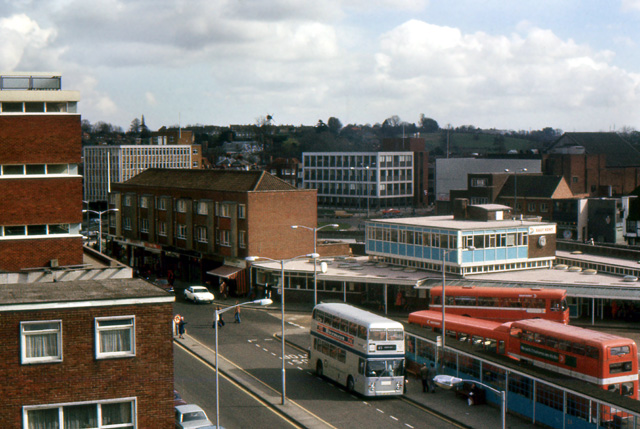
[
  {"x": 630, "y": 4},
  {"x": 151, "y": 98},
  {"x": 21, "y": 36}
]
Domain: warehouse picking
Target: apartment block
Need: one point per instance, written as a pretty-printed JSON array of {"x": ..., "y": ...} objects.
[
  {"x": 195, "y": 221},
  {"x": 86, "y": 354},
  {"x": 40, "y": 185}
]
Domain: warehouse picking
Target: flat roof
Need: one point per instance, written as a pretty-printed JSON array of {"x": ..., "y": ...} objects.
[
  {"x": 449, "y": 222},
  {"x": 85, "y": 293}
]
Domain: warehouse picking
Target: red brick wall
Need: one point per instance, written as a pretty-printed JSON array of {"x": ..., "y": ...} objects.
[
  {"x": 40, "y": 201},
  {"x": 40, "y": 139},
  {"x": 18, "y": 254},
  {"x": 80, "y": 377},
  {"x": 270, "y": 216}
]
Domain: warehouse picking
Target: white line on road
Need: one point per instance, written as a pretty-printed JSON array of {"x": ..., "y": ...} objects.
[
  {"x": 379, "y": 410},
  {"x": 394, "y": 418}
]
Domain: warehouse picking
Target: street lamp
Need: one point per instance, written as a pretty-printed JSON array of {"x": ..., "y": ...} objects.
[
  {"x": 215, "y": 322},
  {"x": 100, "y": 220},
  {"x": 315, "y": 260},
  {"x": 282, "y": 262},
  {"x": 515, "y": 187},
  {"x": 447, "y": 382}
]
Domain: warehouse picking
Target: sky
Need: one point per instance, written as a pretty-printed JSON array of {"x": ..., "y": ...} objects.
[{"x": 572, "y": 65}]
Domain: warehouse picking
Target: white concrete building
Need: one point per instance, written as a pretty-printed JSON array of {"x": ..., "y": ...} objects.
[
  {"x": 104, "y": 165},
  {"x": 360, "y": 179}
]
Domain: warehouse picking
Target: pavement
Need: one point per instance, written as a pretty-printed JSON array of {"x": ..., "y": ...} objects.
[{"x": 443, "y": 402}]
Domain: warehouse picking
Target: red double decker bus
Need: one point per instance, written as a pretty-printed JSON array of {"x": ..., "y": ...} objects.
[
  {"x": 502, "y": 304},
  {"x": 606, "y": 360}
]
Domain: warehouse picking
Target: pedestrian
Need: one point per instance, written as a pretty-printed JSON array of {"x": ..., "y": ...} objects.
[
  {"x": 181, "y": 328},
  {"x": 431, "y": 374},
  {"x": 218, "y": 318},
  {"x": 424, "y": 375},
  {"x": 223, "y": 290},
  {"x": 236, "y": 313}
]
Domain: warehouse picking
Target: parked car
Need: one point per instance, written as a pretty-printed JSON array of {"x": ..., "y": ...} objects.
[
  {"x": 177, "y": 399},
  {"x": 191, "y": 416},
  {"x": 198, "y": 294},
  {"x": 164, "y": 284}
]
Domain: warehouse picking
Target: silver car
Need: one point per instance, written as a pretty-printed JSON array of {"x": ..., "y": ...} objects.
[
  {"x": 198, "y": 294},
  {"x": 191, "y": 416}
]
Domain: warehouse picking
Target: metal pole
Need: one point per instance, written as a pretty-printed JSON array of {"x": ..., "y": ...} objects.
[
  {"x": 215, "y": 322},
  {"x": 284, "y": 382},
  {"x": 503, "y": 398},
  {"x": 515, "y": 191},
  {"x": 315, "y": 268},
  {"x": 100, "y": 238},
  {"x": 444, "y": 255}
]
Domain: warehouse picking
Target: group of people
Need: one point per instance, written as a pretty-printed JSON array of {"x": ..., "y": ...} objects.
[
  {"x": 217, "y": 317},
  {"x": 427, "y": 374}
]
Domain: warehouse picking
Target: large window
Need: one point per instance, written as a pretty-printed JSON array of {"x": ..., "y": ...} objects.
[
  {"x": 242, "y": 239},
  {"x": 162, "y": 228},
  {"x": 118, "y": 413},
  {"x": 182, "y": 231},
  {"x": 224, "y": 210},
  {"x": 181, "y": 206},
  {"x": 41, "y": 341},
  {"x": 201, "y": 234},
  {"x": 242, "y": 211},
  {"x": 115, "y": 337},
  {"x": 225, "y": 237},
  {"x": 202, "y": 208}
]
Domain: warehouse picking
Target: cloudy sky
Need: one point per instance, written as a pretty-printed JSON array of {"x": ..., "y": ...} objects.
[{"x": 568, "y": 64}]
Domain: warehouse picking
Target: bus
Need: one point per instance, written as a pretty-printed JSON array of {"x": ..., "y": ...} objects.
[
  {"x": 502, "y": 304},
  {"x": 359, "y": 349},
  {"x": 606, "y": 360}
]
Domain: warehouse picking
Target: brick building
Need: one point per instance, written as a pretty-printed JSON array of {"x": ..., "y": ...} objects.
[
  {"x": 86, "y": 354},
  {"x": 40, "y": 185},
  {"x": 596, "y": 164},
  {"x": 194, "y": 221}
]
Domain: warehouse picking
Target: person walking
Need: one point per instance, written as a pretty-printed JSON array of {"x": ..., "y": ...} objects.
[
  {"x": 181, "y": 327},
  {"x": 218, "y": 318},
  {"x": 236, "y": 313},
  {"x": 431, "y": 374},
  {"x": 424, "y": 375}
]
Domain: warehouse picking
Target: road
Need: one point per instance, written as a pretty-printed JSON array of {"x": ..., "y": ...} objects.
[
  {"x": 195, "y": 380},
  {"x": 252, "y": 346}
]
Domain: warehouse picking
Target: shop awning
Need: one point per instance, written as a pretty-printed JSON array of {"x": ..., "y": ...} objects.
[{"x": 225, "y": 271}]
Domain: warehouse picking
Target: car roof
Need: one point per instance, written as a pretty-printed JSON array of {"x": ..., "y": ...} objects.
[{"x": 188, "y": 408}]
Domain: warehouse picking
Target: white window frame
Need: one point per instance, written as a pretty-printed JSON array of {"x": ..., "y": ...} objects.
[
  {"x": 162, "y": 228},
  {"x": 201, "y": 234},
  {"x": 144, "y": 224},
  {"x": 162, "y": 203},
  {"x": 23, "y": 342},
  {"x": 202, "y": 208},
  {"x": 60, "y": 407},
  {"x": 181, "y": 231},
  {"x": 126, "y": 222},
  {"x": 242, "y": 211},
  {"x": 144, "y": 202},
  {"x": 225, "y": 237},
  {"x": 181, "y": 206},
  {"x": 127, "y": 200},
  {"x": 130, "y": 324},
  {"x": 242, "y": 239},
  {"x": 224, "y": 210}
]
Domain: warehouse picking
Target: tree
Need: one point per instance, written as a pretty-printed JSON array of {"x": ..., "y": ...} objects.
[
  {"x": 135, "y": 126},
  {"x": 428, "y": 125},
  {"x": 334, "y": 125}
]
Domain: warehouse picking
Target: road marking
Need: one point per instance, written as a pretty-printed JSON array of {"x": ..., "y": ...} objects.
[
  {"x": 379, "y": 410},
  {"x": 273, "y": 354},
  {"x": 408, "y": 425},
  {"x": 394, "y": 418}
]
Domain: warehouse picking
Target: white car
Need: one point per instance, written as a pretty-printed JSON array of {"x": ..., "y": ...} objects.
[
  {"x": 191, "y": 416},
  {"x": 198, "y": 294}
]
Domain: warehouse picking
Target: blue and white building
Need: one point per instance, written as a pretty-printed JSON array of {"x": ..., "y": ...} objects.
[{"x": 477, "y": 239}]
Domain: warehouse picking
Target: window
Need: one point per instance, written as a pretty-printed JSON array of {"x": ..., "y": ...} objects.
[
  {"x": 115, "y": 337},
  {"x": 242, "y": 211},
  {"x": 544, "y": 207},
  {"x": 144, "y": 202},
  {"x": 224, "y": 237},
  {"x": 202, "y": 208},
  {"x": 118, "y": 413},
  {"x": 182, "y": 231},
  {"x": 181, "y": 206},
  {"x": 144, "y": 225},
  {"x": 201, "y": 234},
  {"x": 531, "y": 207},
  {"x": 162, "y": 228},
  {"x": 479, "y": 182},
  {"x": 224, "y": 210},
  {"x": 127, "y": 223},
  {"x": 162, "y": 203},
  {"x": 242, "y": 239},
  {"x": 127, "y": 200},
  {"x": 41, "y": 341}
]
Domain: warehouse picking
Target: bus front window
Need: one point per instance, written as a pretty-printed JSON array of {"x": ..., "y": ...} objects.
[{"x": 385, "y": 368}]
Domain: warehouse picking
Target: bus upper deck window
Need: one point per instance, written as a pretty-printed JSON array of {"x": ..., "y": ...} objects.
[
  {"x": 394, "y": 335},
  {"x": 515, "y": 332},
  {"x": 377, "y": 334}
]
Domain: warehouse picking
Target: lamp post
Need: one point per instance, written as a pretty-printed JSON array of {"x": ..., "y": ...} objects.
[
  {"x": 448, "y": 382},
  {"x": 515, "y": 187},
  {"x": 315, "y": 260},
  {"x": 215, "y": 321},
  {"x": 282, "y": 262},
  {"x": 100, "y": 220}
]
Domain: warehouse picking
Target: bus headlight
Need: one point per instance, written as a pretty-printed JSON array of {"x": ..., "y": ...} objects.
[
  {"x": 372, "y": 387},
  {"x": 372, "y": 348},
  {"x": 398, "y": 385}
]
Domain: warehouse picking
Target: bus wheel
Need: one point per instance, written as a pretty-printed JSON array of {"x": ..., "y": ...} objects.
[
  {"x": 319, "y": 369},
  {"x": 350, "y": 384}
]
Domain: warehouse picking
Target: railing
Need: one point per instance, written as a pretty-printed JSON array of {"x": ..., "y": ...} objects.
[{"x": 52, "y": 83}]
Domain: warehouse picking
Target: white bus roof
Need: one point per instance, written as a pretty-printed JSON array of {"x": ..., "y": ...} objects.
[{"x": 363, "y": 317}]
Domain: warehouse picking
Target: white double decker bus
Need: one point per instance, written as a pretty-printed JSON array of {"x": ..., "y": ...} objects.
[{"x": 359, "y": 349}]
